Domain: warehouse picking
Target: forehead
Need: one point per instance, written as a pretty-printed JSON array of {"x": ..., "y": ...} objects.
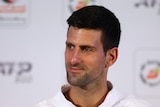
[{"x": 83, "y": 35}]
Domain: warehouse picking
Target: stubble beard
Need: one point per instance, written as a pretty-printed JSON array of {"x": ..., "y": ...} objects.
[{"x": 79, "y": 79}]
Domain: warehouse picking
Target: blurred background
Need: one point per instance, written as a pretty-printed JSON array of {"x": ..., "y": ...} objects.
[{"x": 32, "y": 41}]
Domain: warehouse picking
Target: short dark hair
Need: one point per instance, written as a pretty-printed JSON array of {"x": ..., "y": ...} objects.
[{"x": 98, "y": 17}]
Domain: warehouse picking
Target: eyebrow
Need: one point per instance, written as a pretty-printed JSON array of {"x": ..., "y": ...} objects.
[
  {"x": 85, "y": 45},
  {"x": 68, "y": 43}
]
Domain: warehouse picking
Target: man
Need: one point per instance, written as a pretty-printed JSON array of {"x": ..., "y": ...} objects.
[{"x": 91, "y": 48}]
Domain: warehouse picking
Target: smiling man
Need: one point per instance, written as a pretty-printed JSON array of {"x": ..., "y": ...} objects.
[{"x": 91, "y": 48}]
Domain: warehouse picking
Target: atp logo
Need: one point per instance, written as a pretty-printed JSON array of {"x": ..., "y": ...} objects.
[
  {"x": 21, "y": 71},
  {"x": 149, "y": 4}
]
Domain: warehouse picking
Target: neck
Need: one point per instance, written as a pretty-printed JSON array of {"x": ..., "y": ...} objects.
[{"x": 88, "y": 97}]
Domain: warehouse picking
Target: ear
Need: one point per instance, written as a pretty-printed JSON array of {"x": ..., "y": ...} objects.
[{"x": 111, "y": 56}]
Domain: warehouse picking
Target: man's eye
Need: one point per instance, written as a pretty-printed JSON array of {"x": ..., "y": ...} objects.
[
  {"x": 70, "y": 46},
  {"x": 86, "y": 49}
]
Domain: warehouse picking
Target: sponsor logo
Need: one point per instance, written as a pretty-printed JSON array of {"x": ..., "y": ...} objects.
[
  {"x": 21, "y": 71},
  {"x": 9, "y": 1},
  {"x": 70, "y": 6},
  {"x": 147, "y": 72},
  {"x": 150, "y": 73},
  {"x": 77, "y": 4},
  {"x": 14, "y": 12},
  {"x": 153, "y": 4}
]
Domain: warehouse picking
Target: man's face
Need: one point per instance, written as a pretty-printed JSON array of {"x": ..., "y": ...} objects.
[{"x": 84, "y": 56}]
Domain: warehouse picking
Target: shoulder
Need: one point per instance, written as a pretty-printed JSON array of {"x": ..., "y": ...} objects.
[
  {"x": 45, "y": 103},
  {"x": 57, "y": 101},
  {"x": 132, "y": 101},
  {"x": 52, "y": 102},
  {"x": 118, "y": 99}
]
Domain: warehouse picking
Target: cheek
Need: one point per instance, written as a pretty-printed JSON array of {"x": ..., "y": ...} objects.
[
  {"x": 97, "y": 63},
  {"x": 66, "y": 55}
]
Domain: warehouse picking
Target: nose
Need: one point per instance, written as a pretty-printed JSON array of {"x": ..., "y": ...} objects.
[{"x": 76, "y": 57}]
